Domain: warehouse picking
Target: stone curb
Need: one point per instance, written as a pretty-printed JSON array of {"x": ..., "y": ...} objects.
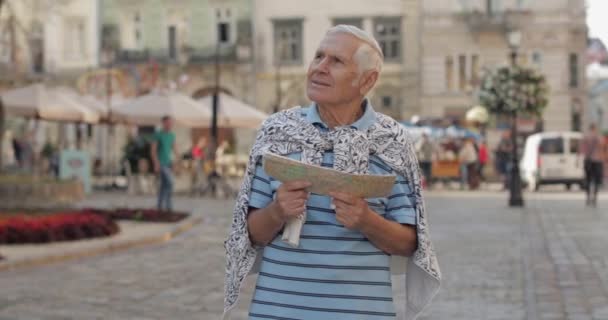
[{"x": 108, "y": 247}]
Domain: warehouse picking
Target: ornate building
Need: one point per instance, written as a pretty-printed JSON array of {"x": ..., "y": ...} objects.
[{"x": 461, "y": 38}]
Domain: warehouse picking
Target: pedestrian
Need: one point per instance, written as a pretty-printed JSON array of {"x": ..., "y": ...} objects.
[
  {"x": 198, "y": 150},
  {"x": 425, "y": 151},
  {"x": 593, "y": 155},
  {"x": 17, "y": 151},
  {"x": 467, "y": 156},
  {"x": 163, "y": 153},
  {"x": 27, "y": 151},
  {"x": 340, "y": 269},
  {"x": 482, "y": 154}
]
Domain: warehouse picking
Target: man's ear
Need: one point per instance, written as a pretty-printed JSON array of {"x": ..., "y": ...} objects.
[{"x": 367, "y": 81}]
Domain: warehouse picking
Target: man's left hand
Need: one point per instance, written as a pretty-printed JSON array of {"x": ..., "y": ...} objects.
[{"x": 351, "y": 211}]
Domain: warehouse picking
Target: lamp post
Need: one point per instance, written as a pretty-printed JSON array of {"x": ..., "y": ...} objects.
[
  {"x": 108, "y": 55},
  {"x": 222, "y": 38},
  {"x": 515, "y": 196}
]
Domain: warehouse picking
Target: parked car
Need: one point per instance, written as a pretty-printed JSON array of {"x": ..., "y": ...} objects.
[{"x": 552, "y": 158}]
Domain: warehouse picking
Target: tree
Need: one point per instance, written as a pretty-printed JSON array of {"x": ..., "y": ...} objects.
[{"x": 514, "y": 90}]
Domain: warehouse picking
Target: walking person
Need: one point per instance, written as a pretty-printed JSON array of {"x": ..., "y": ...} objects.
[
  {"x": 163, "y": 153},
  {"x": 468, "y": 163},
  {"x": 425, "y": 151},
  {"x": 341, "y": 267},
  {"x": 482, "y": 154},
  {"x": 16, "y": 143},
  {"x": 592, "y": 150}
]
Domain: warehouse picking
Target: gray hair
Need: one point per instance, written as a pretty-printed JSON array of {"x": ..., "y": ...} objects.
[{"x": 369, "y": 55}]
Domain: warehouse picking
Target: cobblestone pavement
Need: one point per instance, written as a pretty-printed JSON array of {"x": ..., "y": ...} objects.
[{"x": 549, "y": 261}]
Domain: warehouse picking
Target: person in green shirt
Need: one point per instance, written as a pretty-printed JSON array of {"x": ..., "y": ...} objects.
[{"x": 162, "y": 153}]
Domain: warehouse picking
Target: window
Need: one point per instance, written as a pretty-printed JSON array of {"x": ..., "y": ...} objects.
[
  {"x": 109, "y": 36},
  {"x": 223, "y": 29},
  {"x": 388, "y": 34},
  {"x": 537, "y": 59},
  {"x": 449, "y": 73},
  {"x": 137, "y": 31},
  {"x": 5, "y": 48},
  {"x": 37, "y": 48},
  {"x": 575, "y": 115},
  {"x": 574, "y": 145},
  {"x": 357, "y": 22},
  {"x": 462, "y": 72},
  {"x": 474, "y": 70},
  {"x": 387, "y": 102},
  {"x": 521, "y": 4},
  {"x": 288, "y": 42},
  {"x": 551, "y": 146},
  {"x": 573, "y": 70},
  {"x": 224, "y": 26},
  {"x": 493, "y": 6},
  {"x": 74, "y": 44},
  {"x": 172, "y": 44}
]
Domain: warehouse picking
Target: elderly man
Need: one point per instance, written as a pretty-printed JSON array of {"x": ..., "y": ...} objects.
[{"x": 341, "y": 268}]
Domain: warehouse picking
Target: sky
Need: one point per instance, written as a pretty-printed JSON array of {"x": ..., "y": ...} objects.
[{"x": 597, "y": 19}]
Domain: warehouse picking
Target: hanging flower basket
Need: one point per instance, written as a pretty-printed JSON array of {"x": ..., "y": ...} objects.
[{"x": 509, "y": 90}]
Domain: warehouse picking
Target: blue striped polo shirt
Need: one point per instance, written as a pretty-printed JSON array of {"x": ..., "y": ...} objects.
[{"x": 335, "y": 273}]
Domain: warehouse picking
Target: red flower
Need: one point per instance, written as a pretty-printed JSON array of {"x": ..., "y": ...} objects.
[{"x": 55, "y": 227}]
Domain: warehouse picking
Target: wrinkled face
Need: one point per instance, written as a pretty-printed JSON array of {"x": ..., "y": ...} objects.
[{"x": 333, "y": 74}]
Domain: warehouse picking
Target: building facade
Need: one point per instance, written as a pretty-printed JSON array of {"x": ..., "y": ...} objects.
[
  {"x": 49, "y": 41},
  {"x": 169, "y": 45},
  {"x": 173, "y": 44},
  {"x": 287, "y": 34},
  {"x": 462, "y": 38}
]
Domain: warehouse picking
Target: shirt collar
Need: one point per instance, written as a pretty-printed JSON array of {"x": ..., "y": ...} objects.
[{"x": 364, "y": 122}]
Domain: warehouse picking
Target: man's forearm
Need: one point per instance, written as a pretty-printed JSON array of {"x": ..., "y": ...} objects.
[
  {"x": 389, "y": 236},
  {"x": 264, "y": 224}
]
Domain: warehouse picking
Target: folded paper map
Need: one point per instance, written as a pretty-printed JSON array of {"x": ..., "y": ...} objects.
[{"x": 324, "y": 180}]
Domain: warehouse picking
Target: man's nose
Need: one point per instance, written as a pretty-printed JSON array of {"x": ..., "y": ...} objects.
[{"x": 323, "y": 65}]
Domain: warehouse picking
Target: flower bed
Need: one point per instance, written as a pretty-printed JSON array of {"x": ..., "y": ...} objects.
[
  {"x": 147, "y": 215},
  {"x": 21, "y": 229}
]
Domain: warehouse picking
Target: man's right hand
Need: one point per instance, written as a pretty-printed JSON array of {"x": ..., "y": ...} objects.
[
  {"x": 291, "y": 198},
  {"x": 156, "y": 167}
]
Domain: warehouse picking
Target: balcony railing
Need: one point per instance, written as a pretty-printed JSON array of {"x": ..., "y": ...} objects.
[{"x": 228, "y": 54}]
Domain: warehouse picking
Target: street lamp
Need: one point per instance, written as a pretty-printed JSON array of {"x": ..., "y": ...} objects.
[
  {"x": 108, "y": 58},
  {"x": 515, "y": 196},
  {"x": 222, "y": 38}
]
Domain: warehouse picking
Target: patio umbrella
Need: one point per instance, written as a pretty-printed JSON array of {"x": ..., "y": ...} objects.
[
  {"x": 86, "y": 100},
  {"x": 233, "y": 113},
  {"x": 39, "y": 101},
  {"x": 149, "y": 109}
]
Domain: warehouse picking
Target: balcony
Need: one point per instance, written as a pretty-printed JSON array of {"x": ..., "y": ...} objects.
[
  {"x": 498, "y": 21},
  {"x": 132, "y": 56},
  {"x": 228, "y": 54}
]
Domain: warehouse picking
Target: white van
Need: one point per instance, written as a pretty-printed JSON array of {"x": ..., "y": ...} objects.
[{"x": 552, "y": 158}]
